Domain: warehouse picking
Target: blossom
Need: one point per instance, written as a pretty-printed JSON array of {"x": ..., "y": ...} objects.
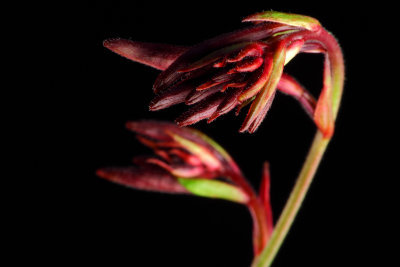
[
  {"x": 233, "y": 70},
  {"x": 185, "y": 161}
]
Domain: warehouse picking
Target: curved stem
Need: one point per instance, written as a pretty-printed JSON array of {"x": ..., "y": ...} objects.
[
  {"x": 293, "y": 204},
  {"x": 315, "y": 154}
]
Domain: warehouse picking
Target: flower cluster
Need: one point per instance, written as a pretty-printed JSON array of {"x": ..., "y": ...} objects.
[
  {"x": 185, "y": 161},
  {"x": 216, "y": 76},
  {"x": 230, "y": 71}
]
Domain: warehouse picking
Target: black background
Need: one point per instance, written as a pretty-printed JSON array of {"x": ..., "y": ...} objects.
[{"x": 97, "y": 222}]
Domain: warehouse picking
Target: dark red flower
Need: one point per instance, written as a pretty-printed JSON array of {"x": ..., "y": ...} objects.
[
  {"x": 181, "y": 154},
  {"x": 228, "y": 71}
]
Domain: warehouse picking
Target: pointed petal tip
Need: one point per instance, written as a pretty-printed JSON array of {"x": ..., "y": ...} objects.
[
  {"x": 132, "y": 125},
  {"x": 156, "y": 105},
  {"x": 108, "y": 43},
  {"x": 102, "y": 173},
  {"x": 182, "y": 122}
]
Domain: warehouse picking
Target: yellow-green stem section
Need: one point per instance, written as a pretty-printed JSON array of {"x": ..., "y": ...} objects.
[{"x": 293, "y": 204}]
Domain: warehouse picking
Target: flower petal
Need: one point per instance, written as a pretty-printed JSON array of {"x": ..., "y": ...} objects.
[
  {"x": 150, "y": 178},
  {"x": 196, "y": 96},
  {"x": 227, "y": 104},
  {"x": 295, "y": 20},
  {"x": 253, "y": 127},
  {"x": 159, "y": 56},
  {"x": 251, "y": 50},
  {"x": 172, "y": 96},
  {"x": 201, "y": 111},
  {"x": 214, "y": 56},
  {"x": 249, "y": 65},
  {"x": 260, "y": 80},
  {"x": 262, "y": 99}
]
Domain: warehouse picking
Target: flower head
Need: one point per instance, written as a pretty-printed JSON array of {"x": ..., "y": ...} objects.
[
  {"x": 185, "y": 161},
  {"x": 233, "y": 70}
]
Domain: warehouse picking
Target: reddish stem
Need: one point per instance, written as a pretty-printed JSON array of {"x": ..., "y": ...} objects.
[{"x": 261, "y": 230}]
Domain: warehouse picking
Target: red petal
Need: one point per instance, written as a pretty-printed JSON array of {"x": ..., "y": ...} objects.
[
  {"x": 172, "y": 96},
  {"x": 290, "y": 86},
  {"x": 227, "y": 105},
  {"x": 253, "y": 50},
  {"x": 233, "y": 85},
  {"x": 261, "y": 79},
  {"x": 159, "y": 56},
  {"x": 196, "y": 96},
  {"x": 150, "y": 178},
  {"x": 220, "y": 63},
  {"x": 249, "y": 65},
  {"x": 202, "y": 110},
  {"x": 214, "y": 56},
  {"x": 186, "y": 157}
]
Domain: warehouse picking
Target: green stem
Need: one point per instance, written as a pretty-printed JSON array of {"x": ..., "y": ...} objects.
[
  {"x": 293, "y": 204},
  {"x": 314, "y": 156}
]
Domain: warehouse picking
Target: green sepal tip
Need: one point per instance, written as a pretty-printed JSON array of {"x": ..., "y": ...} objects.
[
  {"x": 295, "y": 20},
  {"x": 214, "y": 189}
]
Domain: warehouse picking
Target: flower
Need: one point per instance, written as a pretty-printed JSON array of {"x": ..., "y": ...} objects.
[
  {"x": 232, "y": 70},
  {"x": 186, "y": 161}
]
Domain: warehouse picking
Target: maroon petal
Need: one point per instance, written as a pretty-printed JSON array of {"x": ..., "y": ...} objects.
[
  {"x": 147, "y": 178},
  {"x": 219, "y": 78},
  {"x": 150, "y": 130},
  {"x": 214, "y": 56},
  {"x": 260, "y": 78},
  {"x": 201, "y": 111},
  {"x": 196, "y": 96},
  {"x": 172, "y": 96},
  {"x": 260, "y": 117},
  {"x": 159, "y": 56},
  {"x": 196, "y": 77},
  {"x": 227, "y": 104}
]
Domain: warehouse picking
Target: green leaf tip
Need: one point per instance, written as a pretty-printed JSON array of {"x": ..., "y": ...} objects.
[
  {"x": 295, "y": 20},
  {"x": 214, "y": 189}
]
